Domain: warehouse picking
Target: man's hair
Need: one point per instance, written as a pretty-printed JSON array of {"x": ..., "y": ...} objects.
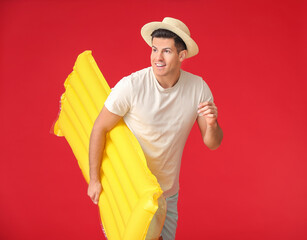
[{"x": 164, "y": 33}]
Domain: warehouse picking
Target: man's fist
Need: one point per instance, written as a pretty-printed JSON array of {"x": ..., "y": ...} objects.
[
  {"x": 94, "y": 190},
  {"x": 209, "y": 111}
]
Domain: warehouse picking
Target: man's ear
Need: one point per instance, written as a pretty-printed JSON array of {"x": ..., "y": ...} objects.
[{"x": 183, "y": 55}]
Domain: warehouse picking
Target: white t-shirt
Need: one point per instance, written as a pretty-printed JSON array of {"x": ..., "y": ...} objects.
[{"x": 161, "y": 119}]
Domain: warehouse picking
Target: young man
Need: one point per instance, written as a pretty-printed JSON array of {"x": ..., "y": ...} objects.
[{"x": 160, "y": 105}]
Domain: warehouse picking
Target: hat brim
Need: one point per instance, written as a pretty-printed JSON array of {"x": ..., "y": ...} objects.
[{"x": 148, "y": 28}]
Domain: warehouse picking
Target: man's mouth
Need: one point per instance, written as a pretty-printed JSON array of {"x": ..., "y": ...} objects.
[{"x": 160, "y": 64}]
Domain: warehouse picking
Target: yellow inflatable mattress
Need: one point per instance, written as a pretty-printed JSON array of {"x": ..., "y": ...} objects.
[{"x": 130, "y": 193}]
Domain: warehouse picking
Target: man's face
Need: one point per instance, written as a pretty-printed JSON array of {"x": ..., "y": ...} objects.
[{"x": 165, "y": 59}]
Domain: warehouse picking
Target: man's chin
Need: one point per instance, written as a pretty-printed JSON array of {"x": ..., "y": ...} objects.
[{"x": 159, "y": 72}]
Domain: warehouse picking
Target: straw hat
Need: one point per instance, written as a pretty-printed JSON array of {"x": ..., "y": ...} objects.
[{"x": 174, "y": 25}]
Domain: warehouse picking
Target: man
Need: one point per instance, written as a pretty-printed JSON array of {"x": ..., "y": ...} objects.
[{"x": 160, "y": 105}]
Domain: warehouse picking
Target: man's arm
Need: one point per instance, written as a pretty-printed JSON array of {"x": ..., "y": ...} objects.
[
  {"x": 211, "y": 132},
  {"x": 103, "y": 124}
]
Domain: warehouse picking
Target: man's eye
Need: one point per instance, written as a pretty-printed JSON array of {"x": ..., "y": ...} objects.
[{"x": 154, "y": 50}]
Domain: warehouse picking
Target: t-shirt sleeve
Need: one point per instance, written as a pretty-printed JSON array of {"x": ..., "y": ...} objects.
[
  {"x": 206, "y": 95},
  {"x": 119, "y": 100}
]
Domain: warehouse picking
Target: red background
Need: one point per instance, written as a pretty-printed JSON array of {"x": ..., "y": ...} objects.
[{"x": 253, "y": 56}]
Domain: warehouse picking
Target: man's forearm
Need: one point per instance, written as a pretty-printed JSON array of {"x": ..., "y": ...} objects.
[
  {"x": 96, "y": 148},
  {"x": 213, "y": 136},
  {"x": 103, "y": 124}
]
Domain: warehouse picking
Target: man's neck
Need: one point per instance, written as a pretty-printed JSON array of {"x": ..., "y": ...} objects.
[{"x": 168, "y": 81}]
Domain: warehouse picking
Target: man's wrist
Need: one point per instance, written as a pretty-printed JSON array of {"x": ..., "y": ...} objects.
[
  {"x": 213, "y": 125},
  {"x": 94, "y": 179}
]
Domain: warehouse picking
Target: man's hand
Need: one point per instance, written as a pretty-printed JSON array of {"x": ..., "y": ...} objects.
[
  {"x": 209, "y": 111},
  {"x": 94, "y": 190},
  {"x": 211, "y": 132}
]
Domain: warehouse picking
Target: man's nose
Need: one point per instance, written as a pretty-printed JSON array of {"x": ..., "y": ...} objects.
[{"x": 159, "y": 56}]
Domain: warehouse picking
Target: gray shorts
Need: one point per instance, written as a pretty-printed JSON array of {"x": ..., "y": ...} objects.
[{"x": 170, "y": 224}]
